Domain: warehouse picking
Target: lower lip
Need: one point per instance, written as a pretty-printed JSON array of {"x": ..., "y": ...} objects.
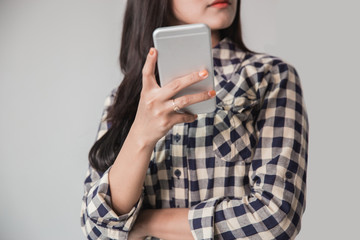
[{"x": 220, "y": 5}]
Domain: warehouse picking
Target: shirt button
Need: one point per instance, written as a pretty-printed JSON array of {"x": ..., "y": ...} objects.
[
  {"x": 177, "y": 137},
  {"x": 177, "y": 173},
  {"x": 289, "y": 175}
]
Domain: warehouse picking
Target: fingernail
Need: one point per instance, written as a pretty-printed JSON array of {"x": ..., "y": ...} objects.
[
  {"x": 212, "y": 93},
  {"x": 151, "y": 52},
  {"x": 203, "y": 74}
]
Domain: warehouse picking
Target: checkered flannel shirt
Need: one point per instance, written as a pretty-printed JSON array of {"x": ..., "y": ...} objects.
[{"x": 241, "y": 170}]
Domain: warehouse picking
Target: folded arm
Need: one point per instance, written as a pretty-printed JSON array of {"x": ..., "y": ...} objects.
[{"x": 277, "y": 171}]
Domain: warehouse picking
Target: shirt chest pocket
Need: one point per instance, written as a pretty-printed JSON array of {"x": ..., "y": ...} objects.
[{"x": 232, "y": 134}]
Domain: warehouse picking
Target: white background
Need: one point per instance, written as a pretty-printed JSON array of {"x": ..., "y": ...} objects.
[{"x": 58, "y": 61}]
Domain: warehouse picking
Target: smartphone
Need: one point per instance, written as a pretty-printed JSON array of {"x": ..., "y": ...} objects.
[{"x": 184, "y": 49}]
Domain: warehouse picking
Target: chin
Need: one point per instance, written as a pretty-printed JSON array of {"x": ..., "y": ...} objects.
[{"x": 218, "y": 25}]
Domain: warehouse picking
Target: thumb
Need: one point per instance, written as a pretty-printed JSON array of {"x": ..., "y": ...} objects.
[{"x": 148, "y": 71}]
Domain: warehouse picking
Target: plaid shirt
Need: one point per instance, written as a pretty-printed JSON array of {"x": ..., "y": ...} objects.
[{"x": 241, "y": 170}]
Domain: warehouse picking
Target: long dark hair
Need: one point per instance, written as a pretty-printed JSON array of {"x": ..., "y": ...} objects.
[{"x": 141, "y": 18}]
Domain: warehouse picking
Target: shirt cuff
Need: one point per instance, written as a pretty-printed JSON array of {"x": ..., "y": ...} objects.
[
  {"x": 100, "y": 211},
  {"x": 201, "y": 219}
]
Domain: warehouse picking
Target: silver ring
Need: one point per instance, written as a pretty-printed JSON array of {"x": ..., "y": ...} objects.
[{"x": 176, "y": 107}]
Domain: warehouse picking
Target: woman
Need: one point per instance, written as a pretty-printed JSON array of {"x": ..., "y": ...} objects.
[{"x": 236, "y": 173}]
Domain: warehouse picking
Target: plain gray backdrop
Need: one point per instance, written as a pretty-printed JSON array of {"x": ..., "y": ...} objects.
[{"x": 58, "y": 62}]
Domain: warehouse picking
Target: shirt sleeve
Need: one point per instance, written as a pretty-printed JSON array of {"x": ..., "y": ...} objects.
[
  {"x": 98, "y": 219},
  {"x": 277, "y": 171}
]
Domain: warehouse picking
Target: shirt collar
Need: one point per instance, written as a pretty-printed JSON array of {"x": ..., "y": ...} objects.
[{"x": 227, "y": 58}]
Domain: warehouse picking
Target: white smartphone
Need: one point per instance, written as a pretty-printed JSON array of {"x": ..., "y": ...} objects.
[{"x": 184, "y": 49}]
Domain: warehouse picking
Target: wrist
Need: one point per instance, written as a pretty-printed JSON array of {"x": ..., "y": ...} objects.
[
  {"x": 140, "y": 139},
  {"x": 142, "y": 224},
  {"x": 165, "y": 223}
]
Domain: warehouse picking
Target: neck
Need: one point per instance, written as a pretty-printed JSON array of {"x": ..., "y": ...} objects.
[{"x": 215, "y": 37}]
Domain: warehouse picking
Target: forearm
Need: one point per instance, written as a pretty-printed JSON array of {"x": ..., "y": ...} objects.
[
  {"x": 126, "y": 176},
  {"x": 169, "y": 224},
  {"x": 155, "y": 116}
]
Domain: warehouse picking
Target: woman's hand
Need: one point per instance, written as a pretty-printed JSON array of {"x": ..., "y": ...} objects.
[
  {"x": 156, "y": 113},
  {"x": 154, "y": 118}
]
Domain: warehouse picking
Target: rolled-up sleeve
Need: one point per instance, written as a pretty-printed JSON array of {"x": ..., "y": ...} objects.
[
  {"x": 276, "y": 171},
  {"x": 98, "y": 219}
]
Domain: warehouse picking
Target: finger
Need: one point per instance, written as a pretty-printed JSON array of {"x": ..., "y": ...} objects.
[
  {"x": 184, "y": 118},
  {"x": 188, "y": 100},
  {"x": 148, "y": 71},
  {"x": 173, "y": 87}
]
